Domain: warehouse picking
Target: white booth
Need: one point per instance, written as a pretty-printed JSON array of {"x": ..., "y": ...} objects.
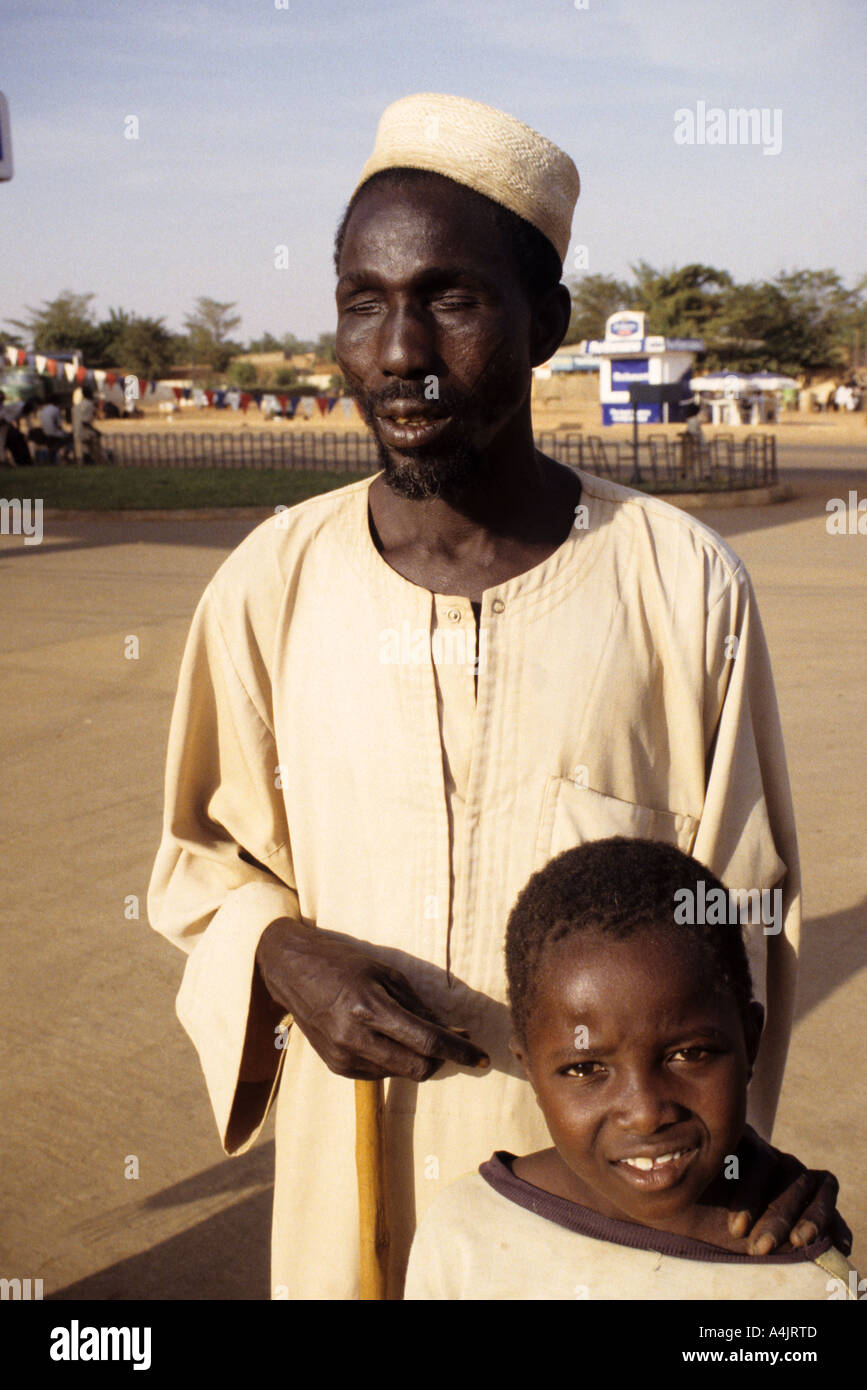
[{"x": 628, "y": 357}]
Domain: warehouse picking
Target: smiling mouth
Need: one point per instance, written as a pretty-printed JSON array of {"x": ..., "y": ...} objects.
[{"x": 653, "y": 1173}]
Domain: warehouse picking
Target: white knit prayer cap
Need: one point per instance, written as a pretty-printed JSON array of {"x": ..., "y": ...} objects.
[{"x": 484, "y": 149}]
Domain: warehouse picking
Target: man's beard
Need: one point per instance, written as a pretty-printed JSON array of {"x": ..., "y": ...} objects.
[{"x": 448, "y": 470}]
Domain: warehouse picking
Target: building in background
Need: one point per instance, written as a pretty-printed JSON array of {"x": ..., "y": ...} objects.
[{"x": 627, "y": 357}]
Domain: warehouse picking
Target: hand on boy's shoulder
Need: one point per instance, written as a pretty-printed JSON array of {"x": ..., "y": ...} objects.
[
  {"x": 769, "y": 1204},
  {"x": 777, "y": 1204}
]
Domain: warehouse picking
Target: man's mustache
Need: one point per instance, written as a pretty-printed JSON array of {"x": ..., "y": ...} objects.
[{"x": 447, "y": 401}]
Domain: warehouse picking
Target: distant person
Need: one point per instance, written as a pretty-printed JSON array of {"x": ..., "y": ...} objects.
[
  {"x": 692, "y": 441},
  {"x": 54, "y": 436},
  {"x": 12, "y": 441},
  {"x": 88, "y": 445}
]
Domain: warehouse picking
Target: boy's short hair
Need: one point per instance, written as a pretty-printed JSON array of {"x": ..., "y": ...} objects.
[{"x": 616, "y": 886}]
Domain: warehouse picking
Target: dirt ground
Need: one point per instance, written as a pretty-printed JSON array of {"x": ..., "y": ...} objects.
[
  {"x": 570, "y": 409},
  {"x": 98, "y": 1081}
]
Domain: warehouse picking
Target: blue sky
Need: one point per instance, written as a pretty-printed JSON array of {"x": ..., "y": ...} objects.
[{"x": 254, "y": 123}]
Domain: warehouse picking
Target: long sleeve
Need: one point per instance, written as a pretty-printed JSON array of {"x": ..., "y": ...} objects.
[
  {"x": 747, "y": 830},
  {"x": 223, "y": 871}
]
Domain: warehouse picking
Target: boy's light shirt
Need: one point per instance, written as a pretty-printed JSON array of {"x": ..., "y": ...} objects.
[
  {"x": 382, "y": 799},
  {"x": 474, "y": 1243}
]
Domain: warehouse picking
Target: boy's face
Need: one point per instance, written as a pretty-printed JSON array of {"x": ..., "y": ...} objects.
[{"x": 641, "y": 1071}]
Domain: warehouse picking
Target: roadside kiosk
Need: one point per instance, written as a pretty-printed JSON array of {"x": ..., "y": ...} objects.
[{"x": 628, "y": 358}]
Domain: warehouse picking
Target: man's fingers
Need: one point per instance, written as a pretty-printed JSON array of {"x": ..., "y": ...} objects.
[
  {"x": 427, "y": 1038},
  {"x": 819, "y": 1215},
  {"x": 399, "y": 988},
  {"x": 426, "y": 1034},
  {"x": 775, "y": 1225}
]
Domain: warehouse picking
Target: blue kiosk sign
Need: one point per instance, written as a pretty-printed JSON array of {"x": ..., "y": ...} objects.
[{"x": 629, "y": 357}]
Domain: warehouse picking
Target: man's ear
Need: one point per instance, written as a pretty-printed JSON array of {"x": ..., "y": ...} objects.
[
  {"x": 753, "y": 1025},
  {"x": 550, "y": 319}
]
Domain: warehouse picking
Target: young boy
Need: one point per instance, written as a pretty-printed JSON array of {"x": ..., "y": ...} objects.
[{"x": 638, "y": 1034}]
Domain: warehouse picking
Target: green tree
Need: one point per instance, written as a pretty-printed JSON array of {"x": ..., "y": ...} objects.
[
  {"x": 243, "y": 374},
  {"x": 679, "y": 303},
  {"x": 143, "y": 346},
  {"x": 325, "y": 347},
  {"x": 110, "y": 331},
  {"x": 290, "y": 344},
  {"x": 209, "y": 327},
  {"x": 61, "y": 324},
  {"x": 594, "y": 297},
  {"x": 267, "y": 343},
  {"x": 752, "y": 330},
  {"x": 822, "y": 309},
  {"x": 802, "y": 320}
]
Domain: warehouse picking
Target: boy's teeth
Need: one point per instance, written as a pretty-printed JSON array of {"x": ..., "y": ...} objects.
[{"x": 646, "y": 1164}]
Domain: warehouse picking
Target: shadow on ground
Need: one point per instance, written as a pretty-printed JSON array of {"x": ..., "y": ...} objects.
[
  {"x": 833, "y": 950},
  {"x": 225, "y": 1256}
]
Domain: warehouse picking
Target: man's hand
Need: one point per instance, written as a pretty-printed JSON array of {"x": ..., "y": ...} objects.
[
  {"x": 363, "y": 1018},
  {"x": 778, "y": 1200}
]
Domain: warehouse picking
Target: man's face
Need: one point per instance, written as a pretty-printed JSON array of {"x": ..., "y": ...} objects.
[
  {"x": 644, "y": 1106},
  {"x": 432, "y": 333}
]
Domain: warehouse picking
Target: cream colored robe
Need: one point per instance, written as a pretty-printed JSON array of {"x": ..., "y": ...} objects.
[{"x": 327, "y": 760}]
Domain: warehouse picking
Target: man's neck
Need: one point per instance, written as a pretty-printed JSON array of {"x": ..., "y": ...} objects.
[{"x": 484, "y": 538}]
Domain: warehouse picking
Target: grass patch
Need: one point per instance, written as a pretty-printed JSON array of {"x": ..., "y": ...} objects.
[
  {"x": 125, "y": 489},
  {"x": 122, "y": 489}
]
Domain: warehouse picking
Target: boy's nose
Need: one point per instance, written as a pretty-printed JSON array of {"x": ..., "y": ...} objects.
[{"x": 646, "y": 1106}]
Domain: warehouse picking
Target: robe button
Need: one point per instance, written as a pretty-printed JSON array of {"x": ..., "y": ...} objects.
[
  {"x": 497, "y": 606},
  {"x": 454, "y": 615}
]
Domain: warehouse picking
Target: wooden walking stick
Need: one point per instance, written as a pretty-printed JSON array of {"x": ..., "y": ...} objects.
[{"x": 370, "y": 1168}]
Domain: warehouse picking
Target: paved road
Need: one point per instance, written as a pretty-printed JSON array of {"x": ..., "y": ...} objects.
[{"x": 95, "y": 1070}]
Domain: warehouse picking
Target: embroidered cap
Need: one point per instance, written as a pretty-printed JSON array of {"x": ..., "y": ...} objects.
[{"x": 484, "y": 149}]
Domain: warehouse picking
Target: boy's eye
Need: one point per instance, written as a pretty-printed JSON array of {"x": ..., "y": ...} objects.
[
  {"x": 696, "y": 1053},
  {"x": 581, "y": 1068}
]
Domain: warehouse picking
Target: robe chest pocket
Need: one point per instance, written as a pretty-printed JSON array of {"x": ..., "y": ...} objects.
[{"x": 572, "y": 815}]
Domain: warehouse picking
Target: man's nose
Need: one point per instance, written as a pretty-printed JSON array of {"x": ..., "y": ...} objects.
[{"x": 406, "y": 343}]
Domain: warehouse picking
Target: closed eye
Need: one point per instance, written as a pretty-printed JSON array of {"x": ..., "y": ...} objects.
[{"x": 453, "y": 302}]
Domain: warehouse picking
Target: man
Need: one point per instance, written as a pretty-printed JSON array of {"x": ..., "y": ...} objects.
[
  {"x": 11, "y": 438},
  {"x": 399, "y": 699},
  {"x": 54, "y": 436},
  {"x": 88, "y": 447}
]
